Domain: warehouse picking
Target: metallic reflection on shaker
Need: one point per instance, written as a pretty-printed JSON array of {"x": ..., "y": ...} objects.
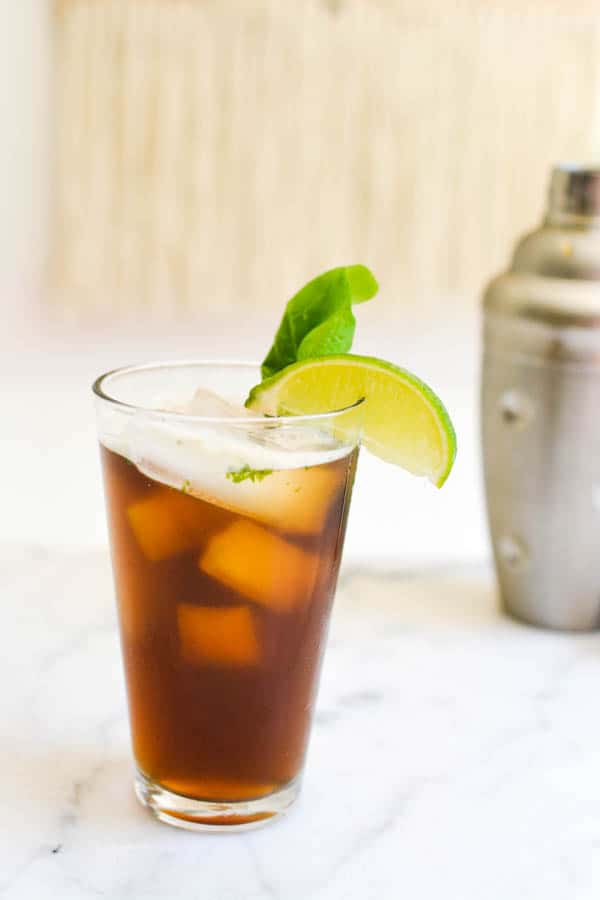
[{"x": 541, "y": 412}]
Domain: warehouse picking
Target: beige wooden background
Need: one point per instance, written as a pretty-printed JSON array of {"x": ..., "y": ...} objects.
[{"x": 217, "y": 152}]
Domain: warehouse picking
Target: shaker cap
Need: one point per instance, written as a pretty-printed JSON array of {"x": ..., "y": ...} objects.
[{"x": 574, "y": 192}]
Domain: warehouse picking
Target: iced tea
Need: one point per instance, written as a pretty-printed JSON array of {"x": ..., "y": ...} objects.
[{"x": 223, "y": 620}]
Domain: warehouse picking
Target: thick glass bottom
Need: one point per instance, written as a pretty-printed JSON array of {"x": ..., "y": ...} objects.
[{"x": 212, "y": 815}]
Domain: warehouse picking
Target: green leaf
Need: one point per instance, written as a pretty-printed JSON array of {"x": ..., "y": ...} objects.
[
  {"x": 334, "y": 335},
  {"x": 363, "y": 283},
  {"x": 318, "y": 320}
]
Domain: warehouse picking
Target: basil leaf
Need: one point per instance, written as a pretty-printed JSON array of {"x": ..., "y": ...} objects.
[{"x": 318, "y": 320}]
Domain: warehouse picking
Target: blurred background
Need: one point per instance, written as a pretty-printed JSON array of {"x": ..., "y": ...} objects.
[{"x": 173, "y": 170}]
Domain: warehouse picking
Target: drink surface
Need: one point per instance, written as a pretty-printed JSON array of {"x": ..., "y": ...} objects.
[{"x": 223, "y": 610}]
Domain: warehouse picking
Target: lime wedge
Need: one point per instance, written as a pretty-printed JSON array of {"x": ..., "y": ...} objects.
[{"x": 404, "y": 422}]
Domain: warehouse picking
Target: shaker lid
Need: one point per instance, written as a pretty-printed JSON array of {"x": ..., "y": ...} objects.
[
  {"x": 574, "y": 192},
  {"x": 554, "y": 276}
]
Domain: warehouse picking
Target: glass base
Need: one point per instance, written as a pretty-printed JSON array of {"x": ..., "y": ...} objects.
[{"x": 211, "y": 815}]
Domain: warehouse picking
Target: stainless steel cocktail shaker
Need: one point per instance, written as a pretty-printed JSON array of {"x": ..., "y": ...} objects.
[{"x": 541, "y": 412}]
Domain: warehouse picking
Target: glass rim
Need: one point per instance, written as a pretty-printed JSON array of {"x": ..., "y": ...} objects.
[{"x": 164, "y": 414}]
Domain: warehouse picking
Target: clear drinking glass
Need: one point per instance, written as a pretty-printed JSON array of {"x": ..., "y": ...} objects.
[{"x": 226, "y": 536}]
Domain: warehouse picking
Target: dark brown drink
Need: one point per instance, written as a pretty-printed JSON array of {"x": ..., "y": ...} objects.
[{"x": 223, "y": 621}]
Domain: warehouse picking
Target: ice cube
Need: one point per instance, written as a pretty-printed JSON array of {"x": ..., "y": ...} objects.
[
  {"x": 261, "y": 566},
  {"x": 217, "y": 636},
  {"x": 207, "y": 403},
  {"x": 168, "y": 523},
  {"x": 294, "y": 500},
  {"x": 284, "y": 480},
  {"x": 294, "y": 496},
  {"x": 158, "y": 532}
]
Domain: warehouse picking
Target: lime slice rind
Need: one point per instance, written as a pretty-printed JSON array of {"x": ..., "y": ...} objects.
[{"x": 404, "y": 421}]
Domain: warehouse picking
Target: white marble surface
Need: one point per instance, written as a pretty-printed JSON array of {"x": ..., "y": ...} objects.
[{"x": 456, "y": 754}]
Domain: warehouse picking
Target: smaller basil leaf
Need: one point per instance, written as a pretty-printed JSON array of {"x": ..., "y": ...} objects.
[{"x": 327, "y": 298}]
